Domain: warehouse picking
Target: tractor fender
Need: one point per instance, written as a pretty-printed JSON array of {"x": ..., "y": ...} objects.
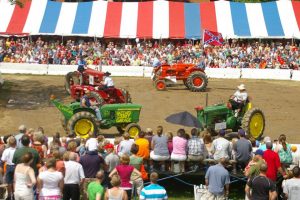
[{"x": 84, "y": 109}]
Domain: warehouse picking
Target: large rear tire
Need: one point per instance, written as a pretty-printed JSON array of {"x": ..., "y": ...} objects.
[
  {"x": 197, "y": 81},
  {"x": 70, "y": 79},
  {"x": 82, "y": 123},
  {"x": 253, "y": 123},
  {"x": 97, "y": 98},
  {"x": 133, "y": 129}
]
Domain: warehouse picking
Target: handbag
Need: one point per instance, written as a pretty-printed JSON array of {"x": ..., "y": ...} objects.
[{"x": 144, "y": 173}]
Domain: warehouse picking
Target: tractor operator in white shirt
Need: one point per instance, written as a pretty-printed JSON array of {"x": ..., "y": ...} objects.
[
  {"x": 239, "y": 98},
  {"x": 108, "y": 82}
]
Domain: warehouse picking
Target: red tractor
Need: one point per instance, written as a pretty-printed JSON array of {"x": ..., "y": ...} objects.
[
  {"x": 91, "y": 80},
  {"x": 194, "y": 78}
]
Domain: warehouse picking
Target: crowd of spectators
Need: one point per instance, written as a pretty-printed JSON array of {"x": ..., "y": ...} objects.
[
  {"x": 97, "y": 168},
  {"x": 233, "y": 54}
]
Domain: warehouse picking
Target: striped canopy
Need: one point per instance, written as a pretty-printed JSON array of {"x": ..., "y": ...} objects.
[{"x": 155, "y": 19}]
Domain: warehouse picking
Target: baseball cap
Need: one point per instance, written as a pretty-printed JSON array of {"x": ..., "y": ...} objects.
[
  {"x": 259, "y": 152},
  {"x": 241, "y": 132},
  {"x": 222, "y": 132},
  {"x": 109, "y": 146}
]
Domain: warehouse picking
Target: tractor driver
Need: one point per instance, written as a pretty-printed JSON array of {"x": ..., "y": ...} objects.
[
  {"x": 108, "y": 82},
  {"x": 86, "y": 103},
  {"x": 239, "y": 98}
]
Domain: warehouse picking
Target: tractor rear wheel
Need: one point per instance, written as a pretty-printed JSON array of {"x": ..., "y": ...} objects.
[
  {"x": 82, "y": 123},
  {"x": 160, "y": 85},
  {"x": 133, "y": 129},
  {"x": 96, "y": 97},
  {"x": 70, "y": 79},
  {"x": 253, "y": 123},
  {"x": 126, "y": 95},
  {"x": 197, "y": 81}
]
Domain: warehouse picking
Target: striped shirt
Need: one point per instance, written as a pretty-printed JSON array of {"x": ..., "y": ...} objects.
[{"x": 153, "y": 192}]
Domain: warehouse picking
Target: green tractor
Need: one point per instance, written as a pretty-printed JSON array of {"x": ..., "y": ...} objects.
[
  {"x": 80, "y": 121},
  {"x": 221, "y": 116}
]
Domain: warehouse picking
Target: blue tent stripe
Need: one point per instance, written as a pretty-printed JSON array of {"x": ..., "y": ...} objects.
[
  {"x": 192, "y": 20},
  {"x": 50, "y": 18},
  {"x": 272, "y": 19},
  {"x": 82, "y": 18},
  {"x": 240, "y": 19}
]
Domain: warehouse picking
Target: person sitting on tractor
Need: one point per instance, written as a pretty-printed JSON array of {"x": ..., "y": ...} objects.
[
  {"x": 108, "y": 82},
  {"x": 86, "y": 103},
  {"x": 239, "y": 98},
  {"x": 81, "y": 68}
]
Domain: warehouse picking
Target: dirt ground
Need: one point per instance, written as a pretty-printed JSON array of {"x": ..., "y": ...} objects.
[{"x": 24, "y": 99}]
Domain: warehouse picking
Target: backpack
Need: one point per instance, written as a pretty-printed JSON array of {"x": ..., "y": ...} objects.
[{"x": 286, "y": 156}]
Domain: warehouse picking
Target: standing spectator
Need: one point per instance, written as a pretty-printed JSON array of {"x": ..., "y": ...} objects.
[
  {"x": 50, "y": 182},
  {"x": 38, "y": 144},
  {"x": 284, "y": 151},
  {"x": 115, "y": 193},
  {"x": 159, "y": 146},
  {"x": 95, "y": 190},
  {"x": 137, "y": 162},
  {"x": 149, "y": 134},
  {"x": 153, "y": 191},
  {"x": 179, "y": 150},
  {"x": 217, "y": 180},
  {"x": 208, "y": 145},
  {"x": 18, "y": 136},
  {"x": 7, "y": 157},
  {"x": 253, "y": 167},
  {"x": 125, "y": 145},
  {"x": 124, "y": 170},
  {"x": 292, "y": 186},
  {"x": 273, "y": 162},
  {"x": 144, "y": 148},
  {"x": 243, "y": 149},
  {"x": 24, "y": 179},
  {"x": 111, "y": 159},
  {"x": 262, "y": 187},
  {"x": 92, "y": 143},
  {"x": 195, "y": 147},
  {"x": 19, "y": 153},
  {"x": 221, "y": 147},
  {"x": 74, "y": 175}
]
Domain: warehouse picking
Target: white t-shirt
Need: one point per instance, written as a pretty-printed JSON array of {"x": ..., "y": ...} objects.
[
  {"x": 74, "y": 172},
  {"x": 91, "y": 144},
  {"x": 240, "y": 96},
  {"x": 108, "y": 81},
  {"x": 8, "y": 155},
  {"x": 292, "y": 188},
  {"x": 50, "y": 183},
  {"x": 125, "y": 147}
]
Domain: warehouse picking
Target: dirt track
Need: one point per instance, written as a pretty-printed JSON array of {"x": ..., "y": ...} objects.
[{"x": 28, "y": 102}]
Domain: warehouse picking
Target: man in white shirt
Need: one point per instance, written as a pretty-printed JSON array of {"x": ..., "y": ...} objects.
[
  {"x": 108, "y": 82},
  {"x": 239, "y": 98},
  {"x": 92, "y": 143},
  {"x": 7, "y": 157},
  {"x": 74, "y": 175},
  {"x": 291, "y": 188}
]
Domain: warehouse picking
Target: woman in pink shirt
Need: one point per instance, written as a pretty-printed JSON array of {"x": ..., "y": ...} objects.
[{"x": 179, "y": 149}]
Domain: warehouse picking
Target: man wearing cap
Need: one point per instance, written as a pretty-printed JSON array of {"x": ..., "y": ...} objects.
[
  {"x": 253, "y": 166},
  {"x": 86, "y": 103},
  {"x": 239, "y": 98},
  {"x": 221, "y": 147},
  {"x": 108, "y": 82},
  {"x": 111, "y": 159},
  {"x": 243, "y": 149},
  {"x": 273, "y": 162}
]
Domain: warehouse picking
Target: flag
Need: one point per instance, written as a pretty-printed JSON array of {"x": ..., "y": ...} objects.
[{"x": 213, "y": 38}]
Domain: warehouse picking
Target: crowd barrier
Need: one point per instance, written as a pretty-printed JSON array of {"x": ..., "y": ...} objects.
[{"x": 141, "y": 71}]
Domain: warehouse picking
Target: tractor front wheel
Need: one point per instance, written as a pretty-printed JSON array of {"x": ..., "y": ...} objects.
[
  {"x": 82, "y": 123},
  {"x": 253, "y": 123},
  {"x": 133, "y": 129},
  {"x": 197, "y": 81},
  {"x": 160, "y": 85},
  {"x": 70, "y": 79}
]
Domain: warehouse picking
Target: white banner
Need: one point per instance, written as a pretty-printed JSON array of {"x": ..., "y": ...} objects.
[
  {"x": 276, "y": 74},
  {"x": 12, "y": 68},
  {"x": 223, "y": 73},
  {"x": 296, "y": 75}
]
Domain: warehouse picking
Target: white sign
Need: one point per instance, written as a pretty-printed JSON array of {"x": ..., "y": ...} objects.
[
  {"x": 220, "y": 126},
  {"x": 91, "y": 80}
]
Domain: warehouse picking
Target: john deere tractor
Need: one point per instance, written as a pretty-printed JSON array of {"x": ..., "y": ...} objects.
[
  {"x": 222, "y": 116},
  {"x": 80, "y": 121}
]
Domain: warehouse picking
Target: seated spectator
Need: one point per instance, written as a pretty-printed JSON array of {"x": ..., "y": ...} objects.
[
  {"x": 116, "y": 192},
  {"x": 95, "y": 190},
  {"x": 24, "y": 179},
  {"x": 159, "y": 146},
  {"x": 125, "y": 145},
  {"x": 221, "y": 147},
  {"x": 208, "y": 147},
  {"x": 50, "y": 183},
  {"x": 144, "y": 148},
  {"x": 179, "y": 150},
  {"x": 195, "y": 146},
  {"x": 170, "y": 141},
  {"x": 153, "y": 191}
]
